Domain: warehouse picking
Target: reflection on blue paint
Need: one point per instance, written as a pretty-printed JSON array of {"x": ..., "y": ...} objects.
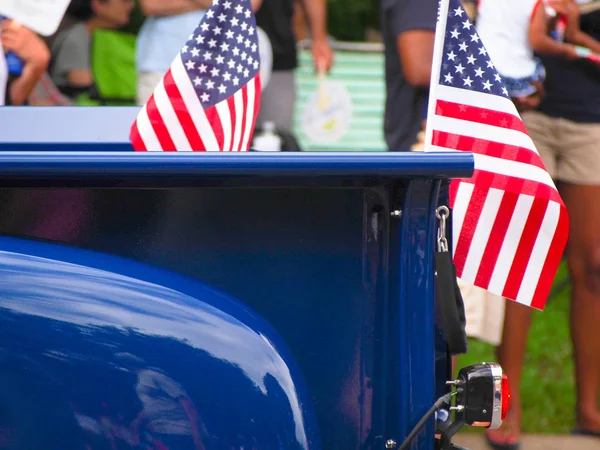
[{"x": 127, "y": 361}]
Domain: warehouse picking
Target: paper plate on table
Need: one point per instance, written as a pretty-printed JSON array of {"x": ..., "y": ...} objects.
[
  {"x": 327, "y": 114},
  {"x": 41, "y": 16},
  {"x": 265, "y": 52}
]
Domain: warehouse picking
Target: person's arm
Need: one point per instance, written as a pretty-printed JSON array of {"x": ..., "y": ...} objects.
[
  {"x": 542, "y": 42},
  {"x": 415, "y": 49},
  {"x": 35, "y": 55},
  {"x": 316, "y": 11},
  {"x": 574, "y": 34},
  {"x": 172, "y": 7}
]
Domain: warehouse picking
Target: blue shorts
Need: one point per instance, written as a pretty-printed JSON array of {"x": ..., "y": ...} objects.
[{"x": 522, "y": 87}]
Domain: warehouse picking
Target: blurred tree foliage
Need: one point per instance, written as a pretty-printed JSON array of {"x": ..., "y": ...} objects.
[{"x": 348, "y": 20}]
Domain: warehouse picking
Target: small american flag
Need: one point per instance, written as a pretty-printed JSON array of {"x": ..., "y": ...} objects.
[
  {"x": 209, "y": 98},
  {"x": 510, "y": 224}
]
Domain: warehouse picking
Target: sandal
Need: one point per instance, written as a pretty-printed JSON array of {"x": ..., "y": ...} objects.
[
  {"x": 510, "y": 443},
  {"x": 578, "y": 432}
]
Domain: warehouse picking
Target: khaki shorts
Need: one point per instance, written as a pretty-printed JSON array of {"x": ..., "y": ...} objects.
[{"x": 570, "y": 150}]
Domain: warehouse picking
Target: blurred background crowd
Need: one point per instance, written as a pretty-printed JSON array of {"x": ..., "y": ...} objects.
[{"x": 114, "y": 52}]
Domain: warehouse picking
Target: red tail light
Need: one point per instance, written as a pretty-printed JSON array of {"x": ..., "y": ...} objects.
[{"x": 505, "y": 396}]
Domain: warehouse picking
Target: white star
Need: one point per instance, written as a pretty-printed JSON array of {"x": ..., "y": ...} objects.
[
  {"x": 490, "y": 64},
  {"x": 466, "y": 25},
  {"x": 202, "y": 68},
  {"x": 451, "y": 56},
  {"x": 455, "y": 34},
  {"x": 235, "y": 51},
  {"x": 471, "y": 59},
  {"x": 195, "y": 52},
  {"x": 504, "y": 91},
  {"x": 255, "y": 65},
  {"x": 212, "y": 43},
  {"x": 458, "y": 12},
  {"x": 244, "y": 26},
  {"x": 204, "y": 26},
  {"x": 478, "y": 72},
  {"x": 215, "y": 2},
  {"x": 227, "y": 5},
  {"x": 229, "y": 34},
  {"x": 200, "y": 39},
  {"x": 197, "y": 81},
  {"x": 246, "y": 73},
  {"x": 190, "y": 65},
  {"x": 459, "y": 68},
  {"x": 205, "y": 97},
  {"x": 184, "y": 49},
  {"x": 253, "y": 47},
  {"x": 207, "y": 55},
  {"x": 244, "y": 56},
  {"x": 240, "y": 68},
  {"x": 497, "y": 77},
  {"x": 220, "y": 59},
  {"x": 227, "y": 76},
  {"x": 222, "y": 17},
  {"x": 247, "y": 43},
  {"x": 474, "y": 38},
  {"x": 482, "y": 51},
  {"x": 448, "y": 78},
  {"x": 240, "y": 38},
  {"x": 467, "y": 81},
  {"x": 222, "y": 89},
  {"x": 224, "y": 46},
  {"x": 250, "y": 59},
  {"x": 210, "y": 13},
  {"x": 463, "y": 46},
  {"x": 236, "y": 81},
  {"x": 234, "y": 22},
  {"x": 487, "y": 86},
  {"x": 231, "y": 64},
  {"x": 250, "y": 31},
  {"x": 214, "y": 72},
  {"x": 239, "y": 9},
  {"x": 191, "y": 37},
  {"x": 210, "y": 84},
  {"x": 247, "y": 14},
  {"x": 217, "y": 31}
]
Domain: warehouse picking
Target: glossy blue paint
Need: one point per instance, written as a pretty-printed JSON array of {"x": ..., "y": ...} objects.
[
  {"x": 100, "y": 352},
  {"x": 111, "y": 166},
  {"x": 317, "y": 254}
]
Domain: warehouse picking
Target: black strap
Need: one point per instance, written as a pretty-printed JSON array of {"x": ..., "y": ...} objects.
[{"x": 451, "y": 303}]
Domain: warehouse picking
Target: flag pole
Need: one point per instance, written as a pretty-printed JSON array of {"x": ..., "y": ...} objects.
[{"x": 436, "y": 67}]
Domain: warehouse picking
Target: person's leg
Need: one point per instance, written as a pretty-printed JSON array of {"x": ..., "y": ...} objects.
[
  {"x": 278, "y": 101},
  {"x": 583, "y": 256},
  {"x": 517, "y": 318}
]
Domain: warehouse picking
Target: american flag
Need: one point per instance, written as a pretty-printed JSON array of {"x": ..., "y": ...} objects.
[
  {"x": 510, "y": 225},
  {"x": 209, "y": 98}
]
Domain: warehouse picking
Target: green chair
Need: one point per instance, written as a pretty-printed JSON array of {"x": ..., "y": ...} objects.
[{"x": 113, "y": 68}]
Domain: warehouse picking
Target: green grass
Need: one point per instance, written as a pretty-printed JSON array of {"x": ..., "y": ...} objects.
[{"x": 547, "y": 388}]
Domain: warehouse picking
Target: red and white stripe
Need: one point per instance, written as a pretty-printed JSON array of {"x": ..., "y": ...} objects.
[
  {"x": 173, "y": 119},
  {"x": 510, "y": 225}
]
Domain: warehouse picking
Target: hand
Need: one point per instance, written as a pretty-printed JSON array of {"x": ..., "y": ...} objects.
[
  {"x": 531, "y": 101},
  {"x": 322, "y": 55},
  {"x": 24, "y": 43}
]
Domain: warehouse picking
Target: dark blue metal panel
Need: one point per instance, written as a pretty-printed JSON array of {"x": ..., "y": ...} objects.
[
  {"x": 111, "y": 166},
  {"x": 413, "y": 312},
  {"x": 98, "y": 352}
]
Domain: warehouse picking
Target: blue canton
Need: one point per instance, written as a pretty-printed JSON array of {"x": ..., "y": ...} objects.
[
  {"x": 221, "y": 56},
  {"x": 465, "y": 62}
]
